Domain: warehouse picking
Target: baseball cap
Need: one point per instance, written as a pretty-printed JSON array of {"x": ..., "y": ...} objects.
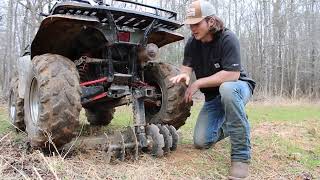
[{"x": 198, "y": 10}]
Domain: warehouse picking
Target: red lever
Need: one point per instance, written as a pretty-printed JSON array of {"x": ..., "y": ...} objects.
[{"x": 94, "y": 82}]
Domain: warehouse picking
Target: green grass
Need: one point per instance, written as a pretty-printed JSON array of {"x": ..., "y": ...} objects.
[
  {"x": 276, "y": 113},
  {"x": 257, "y": 114},
  {"x": 123, "y": 117},
  {"x": 5, "y": 126},
  {"x": 267, "y": 113},
  {"x": 187, "y": 129}
]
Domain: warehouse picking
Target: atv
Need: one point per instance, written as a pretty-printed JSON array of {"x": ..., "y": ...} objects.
[{"x": 98, "y": 56}]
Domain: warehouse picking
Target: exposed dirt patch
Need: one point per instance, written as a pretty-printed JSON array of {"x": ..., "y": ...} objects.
[
  {"x": 304, "y": 134},
  {"x": 272, "y": 154}
]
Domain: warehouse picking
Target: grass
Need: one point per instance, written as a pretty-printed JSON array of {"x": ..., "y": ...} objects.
[
  {"x": 305, "y": 118},
  {"x": 285, "y": 145},
  {"x": 5, "y": 126},
  {"x": 283, "y": 113}
]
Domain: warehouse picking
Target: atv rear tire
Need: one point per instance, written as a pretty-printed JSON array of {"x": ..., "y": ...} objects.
[
  {"x": 99, "y": 116},
  {"x": 52, "y": 101},
  {"x": 173, "y": 109},
  {"x": 15, "y": 107}
]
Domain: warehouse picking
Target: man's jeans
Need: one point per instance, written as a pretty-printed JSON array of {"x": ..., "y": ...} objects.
[{"x": 225, "y": 116}]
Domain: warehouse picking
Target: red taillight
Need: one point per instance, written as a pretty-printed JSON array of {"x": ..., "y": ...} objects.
[{"x": 124, "y": 36}]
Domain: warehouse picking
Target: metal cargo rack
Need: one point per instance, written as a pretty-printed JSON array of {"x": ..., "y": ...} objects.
[{"x": 122, "y": 17}]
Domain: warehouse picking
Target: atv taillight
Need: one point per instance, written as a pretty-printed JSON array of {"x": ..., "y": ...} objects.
[{"x": 124, "y": 36}]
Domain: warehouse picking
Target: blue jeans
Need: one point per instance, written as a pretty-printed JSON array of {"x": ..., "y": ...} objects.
[{"x": 225, "y": 116}]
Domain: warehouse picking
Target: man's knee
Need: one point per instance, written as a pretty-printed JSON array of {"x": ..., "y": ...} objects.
[
  {"x": 228, "y": 92},
  {"x": 201, "y": 143}
]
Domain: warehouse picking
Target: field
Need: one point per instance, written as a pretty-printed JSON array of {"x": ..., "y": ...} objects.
[{"x": 285, "y": 145}]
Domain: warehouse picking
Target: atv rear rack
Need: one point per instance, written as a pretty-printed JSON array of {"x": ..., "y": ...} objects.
[
  {"x": 122, "y": 17},
  {"x": 158, "y": 10}
]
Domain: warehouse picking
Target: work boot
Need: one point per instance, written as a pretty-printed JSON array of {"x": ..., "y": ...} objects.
[{"x": 239, "y": 170}]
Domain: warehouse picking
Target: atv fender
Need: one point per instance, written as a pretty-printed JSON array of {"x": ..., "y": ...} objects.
[
  {"x": 58, "y": 34},
  {"x": 162, "y": 37},
  {"x": 63, "y": 34},
  {"x": 24, "y": 66}
]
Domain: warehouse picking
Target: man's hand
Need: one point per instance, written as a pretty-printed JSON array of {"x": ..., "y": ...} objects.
[
  {"x": 183, "y": 77},
  {"x": 192, "y": 89}
]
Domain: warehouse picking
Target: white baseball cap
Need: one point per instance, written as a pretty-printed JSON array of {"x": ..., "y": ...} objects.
[{"x": 198, "y": 10}]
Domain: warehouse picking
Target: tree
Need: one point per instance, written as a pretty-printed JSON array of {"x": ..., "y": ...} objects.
[{"x": 280, "y": 40}]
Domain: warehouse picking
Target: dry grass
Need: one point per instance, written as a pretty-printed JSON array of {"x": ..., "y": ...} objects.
[
  {"x": 283, "y": 101},
  {"x": 283, "y": 148}
]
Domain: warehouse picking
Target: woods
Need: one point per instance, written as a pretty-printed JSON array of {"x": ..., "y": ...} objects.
[{"x": 280, "y": 40}]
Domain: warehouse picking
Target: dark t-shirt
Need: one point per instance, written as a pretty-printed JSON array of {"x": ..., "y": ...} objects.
[{"x": 206, "y": 59}]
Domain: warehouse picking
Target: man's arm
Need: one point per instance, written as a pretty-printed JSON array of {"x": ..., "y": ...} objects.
[
  {"x": 184, "y": 76},
  {"x": 217, "y": 79},
  {"x": 186, "y": 69},
  {"x": 212, "y": 81}
]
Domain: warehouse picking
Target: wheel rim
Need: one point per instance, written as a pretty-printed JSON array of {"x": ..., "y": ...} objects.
[
  {"x": 34, "y": 101},
  {"x": 12, "y": 107},
  {"x": 151, "y": 108}
]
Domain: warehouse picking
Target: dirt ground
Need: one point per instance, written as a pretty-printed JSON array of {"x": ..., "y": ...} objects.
[{"x": 17, "y": 162}]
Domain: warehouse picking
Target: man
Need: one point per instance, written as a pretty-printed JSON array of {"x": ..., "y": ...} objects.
[{"x": 213, "y": 53}]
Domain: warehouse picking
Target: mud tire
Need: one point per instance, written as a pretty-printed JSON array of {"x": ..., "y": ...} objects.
[
  {"x": 52, "y": 101},
  {"x": 15, "y": 106},
  {"x": 174, "y": 110}
]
